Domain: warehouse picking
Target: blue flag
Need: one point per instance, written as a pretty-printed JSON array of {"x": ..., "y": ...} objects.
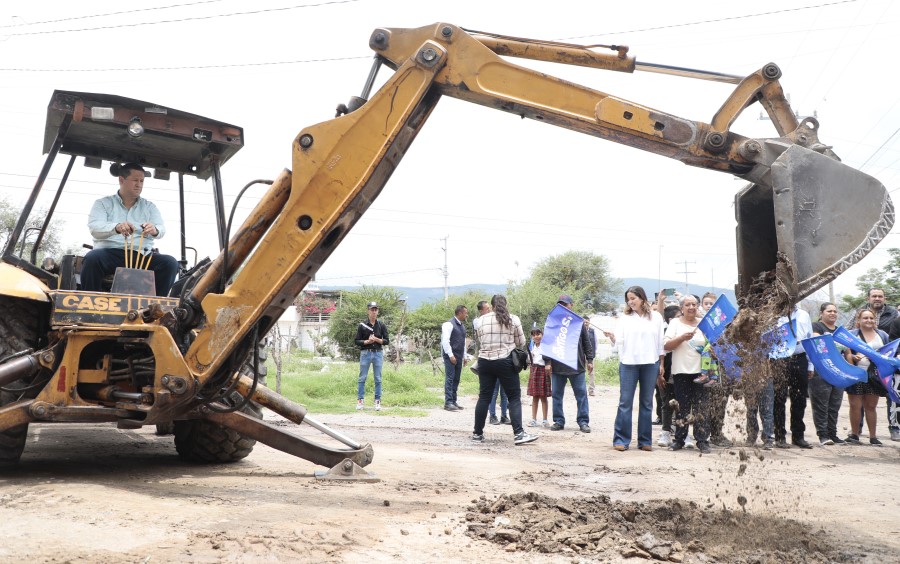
[
  {"x": 729, "y": 361},
  {"x": 890, "y": 350},
  {"x": 884, "y": 365},
  {"x": 717, "y": 318},
  {"x": 562, "y": 332},
  {"x": 781, "y": 341},
  {"x": 830, "y": 364}
]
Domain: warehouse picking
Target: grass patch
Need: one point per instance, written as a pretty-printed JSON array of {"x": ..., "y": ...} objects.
[{"x": 408, "y": 390}]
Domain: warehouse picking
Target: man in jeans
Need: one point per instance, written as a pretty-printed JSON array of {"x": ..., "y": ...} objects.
[
  {"x": 560, "y": 373},
  {"x": 590, "y": 360},
  {"x": 791, "y": 380},
  {"x": 453, "y": 351},
  {"x": 761, "y": 401},
  {"x": 371, "y": 338}
]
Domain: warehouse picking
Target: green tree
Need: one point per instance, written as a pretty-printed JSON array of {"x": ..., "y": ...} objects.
[
  {"x": 583, "y": 275},
  {"x": 50, "y": 244},
  {"x": 885, "y": 278},
  {"x": 352, "y": 311},
  {"x": 532, "y": 301},
  {"x": 424, "y": 323}
]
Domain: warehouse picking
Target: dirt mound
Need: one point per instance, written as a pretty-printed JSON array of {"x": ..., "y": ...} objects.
[{"x": 672, "y": 531}]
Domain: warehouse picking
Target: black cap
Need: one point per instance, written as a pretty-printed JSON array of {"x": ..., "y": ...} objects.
[
  {"x": 372, "y": 305},
  {"x": 565, "y": 299}
]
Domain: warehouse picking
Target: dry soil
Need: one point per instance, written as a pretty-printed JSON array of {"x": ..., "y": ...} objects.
[{"x": 92, "y": 493}]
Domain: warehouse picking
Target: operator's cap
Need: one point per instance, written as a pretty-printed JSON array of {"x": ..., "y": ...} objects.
[
  {"x": 565, "y": 299},
  {"x": 372, "y": 305}
]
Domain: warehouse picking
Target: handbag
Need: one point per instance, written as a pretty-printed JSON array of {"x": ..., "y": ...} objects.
[{"x": 519, "y": 358}]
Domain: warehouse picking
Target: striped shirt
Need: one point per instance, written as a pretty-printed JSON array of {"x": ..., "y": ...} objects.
[{"x": 497, "y": 341}]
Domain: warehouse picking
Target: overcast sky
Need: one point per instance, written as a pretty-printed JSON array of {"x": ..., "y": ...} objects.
[{"x": 506, "y": 192}]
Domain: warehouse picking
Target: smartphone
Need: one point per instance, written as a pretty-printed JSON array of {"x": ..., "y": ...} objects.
[{"x": 669, "y": 292}]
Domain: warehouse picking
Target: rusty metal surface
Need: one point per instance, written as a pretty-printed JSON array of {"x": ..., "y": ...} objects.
[
  {"x": 173, "y": 140},
  {"x": 288, "y": 442},
  {"x": 73, "y": 308},
  {"x": 277, "y": 403}
]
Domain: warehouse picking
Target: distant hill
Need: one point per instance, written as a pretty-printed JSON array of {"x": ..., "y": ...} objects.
[{"x": 418, "y": 296}]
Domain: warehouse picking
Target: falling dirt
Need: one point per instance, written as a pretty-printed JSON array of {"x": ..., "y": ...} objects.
[
  {"x": 663, "y": 530},
  {"x": 96, "y": 494}
]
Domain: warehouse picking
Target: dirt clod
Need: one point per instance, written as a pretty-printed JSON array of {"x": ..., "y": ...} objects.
[{"x": 653, "y": 530}]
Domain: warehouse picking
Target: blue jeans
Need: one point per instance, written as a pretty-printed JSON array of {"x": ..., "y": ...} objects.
[
  {"x": 489, "y": 373},
  {"x": 452, "y": 374},
  {"x": 504, "y": 401},
  {"x": 104, "y": 261},
  {"x": 366, "y": 358},
  {"x": 630, "y": 375},
  {"x": 764, "y": 403},
  {"x": 558, "y": 389}
]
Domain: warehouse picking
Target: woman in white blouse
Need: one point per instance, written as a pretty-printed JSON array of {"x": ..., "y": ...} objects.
[
  {"x": 639, "y": 340},
  {"x": 686, "y": 341}
]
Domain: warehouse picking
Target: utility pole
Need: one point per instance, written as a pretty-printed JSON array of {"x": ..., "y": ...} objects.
[
  {"x": 446, "y": 289},
  {"x": 687, "y": 287},
  {"x": 659, "y": 270}
]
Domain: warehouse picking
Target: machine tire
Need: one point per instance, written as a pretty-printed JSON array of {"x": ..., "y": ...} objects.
[
  {"x": 18, "y": 331},
  {"x": 198, "y": 440}
]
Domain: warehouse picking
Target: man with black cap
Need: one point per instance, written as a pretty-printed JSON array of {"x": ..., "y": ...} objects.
[
  {"x": 560, "y": 373},
  {"x": 371, "y": 338},
  {"x": 117, "y": 219}
]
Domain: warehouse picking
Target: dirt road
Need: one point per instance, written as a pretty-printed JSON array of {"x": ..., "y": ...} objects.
[{"x": 97, "y": 494}]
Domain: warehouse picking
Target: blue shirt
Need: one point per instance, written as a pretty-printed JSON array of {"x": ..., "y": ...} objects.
[{"x": 110, "y": 211}]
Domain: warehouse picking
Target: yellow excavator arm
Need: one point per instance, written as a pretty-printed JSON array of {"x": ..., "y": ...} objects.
[
  {"x": 803, "y": 219},
  {"x": 789, "y": 217}
]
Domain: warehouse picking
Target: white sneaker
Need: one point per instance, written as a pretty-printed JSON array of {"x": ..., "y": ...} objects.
[
  {"x": 689, "y": 442},
  {"x": 359, "y": 404},
  {"x": 377, "y": 405},
  {"x": 665, "y": 439},
  {"x": 545, "y": 424},
  {"x": 532, "y": 423}
]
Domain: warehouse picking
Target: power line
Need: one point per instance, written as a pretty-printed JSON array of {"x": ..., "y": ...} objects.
[
  {"x": 192, "y": 67},
  {"x": 122, "y": 13},
  {"x": 717, "y": 20},
  {"x": 179, "y": 20},
  {"x": 374, "y": 275}
]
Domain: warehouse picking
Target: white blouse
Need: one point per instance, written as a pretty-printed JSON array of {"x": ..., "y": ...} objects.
[
  {"x": 685, "y": 357},
  {"x": 639, "y": 339}
]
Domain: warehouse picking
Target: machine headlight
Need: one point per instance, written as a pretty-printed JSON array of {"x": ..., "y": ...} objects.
[{"x": 135, "y": 127}]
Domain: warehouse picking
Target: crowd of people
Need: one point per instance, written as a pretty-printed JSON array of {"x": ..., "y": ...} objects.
[{"x": 662, "y": 351}]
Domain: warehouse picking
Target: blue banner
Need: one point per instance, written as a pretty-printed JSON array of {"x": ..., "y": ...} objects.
[
  {"x": 717, "y": 318},
  {"x": 562, "y": 332},
  {"x": 781, "y": 341},
  {"x": 825, "y": 355},
  {"x": 890, "y": 349},
  {"x": 884, "y": 365},
  {"x": 729, "y": 361}
]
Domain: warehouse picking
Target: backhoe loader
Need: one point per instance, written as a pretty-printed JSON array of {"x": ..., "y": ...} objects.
[{"x": 189, "y": 359}]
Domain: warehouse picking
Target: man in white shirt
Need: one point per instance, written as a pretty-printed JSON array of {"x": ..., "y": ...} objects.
[{"x": 453, "y": 351}]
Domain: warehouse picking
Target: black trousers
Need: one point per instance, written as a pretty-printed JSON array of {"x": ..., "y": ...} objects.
[{"x": 791, "y": 381}]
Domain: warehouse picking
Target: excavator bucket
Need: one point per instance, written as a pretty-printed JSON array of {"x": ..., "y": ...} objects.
[{"x": 818, "y": 218}]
